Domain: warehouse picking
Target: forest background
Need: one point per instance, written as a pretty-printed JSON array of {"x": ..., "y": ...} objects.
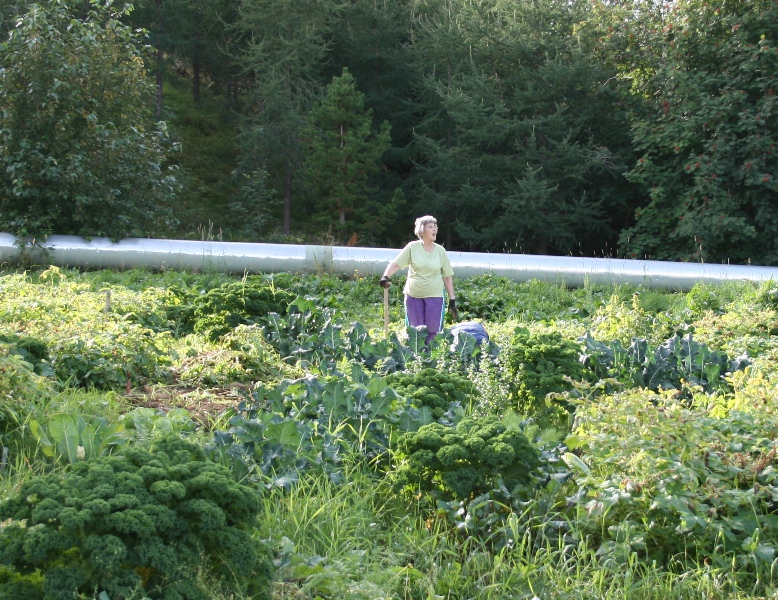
[{"x": 634, "y": 129}]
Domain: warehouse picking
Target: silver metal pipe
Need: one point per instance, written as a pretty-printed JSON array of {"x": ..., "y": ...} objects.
[{"x": 235, "y": 257}]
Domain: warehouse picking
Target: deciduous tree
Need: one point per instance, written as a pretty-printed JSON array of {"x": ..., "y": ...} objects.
[
  {"x": 707, "y": 150},
  {"x": 79, "y": 153}
]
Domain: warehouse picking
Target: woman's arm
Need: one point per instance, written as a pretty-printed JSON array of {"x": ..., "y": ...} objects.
[
  {"x": 448, "y": 282},
  {"x": 391, "y": 269}
]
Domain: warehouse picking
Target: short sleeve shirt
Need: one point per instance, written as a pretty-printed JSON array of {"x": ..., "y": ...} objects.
[{"x": 426, "y": 270}]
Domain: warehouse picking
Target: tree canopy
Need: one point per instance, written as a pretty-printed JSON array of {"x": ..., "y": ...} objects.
[
  {"x": 632, "y": 129},
  {"x": 80, "y": 153}
]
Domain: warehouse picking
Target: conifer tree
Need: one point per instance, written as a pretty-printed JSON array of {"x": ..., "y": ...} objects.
[
  {"x": 283, "y": 48},
  {"x": 513, "y": 146},
  {"x": 342, "y": 152}
]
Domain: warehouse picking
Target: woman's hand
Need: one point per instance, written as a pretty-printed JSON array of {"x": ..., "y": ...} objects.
[{"x": 452, "y": 308}]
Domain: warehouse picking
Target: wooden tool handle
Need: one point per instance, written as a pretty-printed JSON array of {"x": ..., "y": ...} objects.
[{"x": 386, "y": 312}]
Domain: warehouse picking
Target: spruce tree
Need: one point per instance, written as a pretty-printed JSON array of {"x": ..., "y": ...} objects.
[{"x": 342, "y": 151}]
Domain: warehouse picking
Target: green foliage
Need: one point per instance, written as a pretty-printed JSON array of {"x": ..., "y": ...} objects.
[
  {"x": 240, "y": 356},
  {"x": 623, "y": 321},
  {"x": 707, "y": 141},
  {"x": 157, "y": 519},
  {"x": 677, "y": 485},
  {"x": 31, "y": 350},
  {"x": 516, "y": 155},
  {"x": 23, "y": 394},
  {"x": 223, "y": 308},
  {"x": 309, "y": 425},
  {"x": 539, "y": 364},
  {"x": 702, "y": 298},
  {"x": 147, "y": 424},
  {"x": 342, "y": 152},
  {"x": 110, "y": 360},
  {"x": 80, "y": 152},
  {"x": 69, "y": 437},
  {"x": 680, "y": 363},
  {"x": 282, "y": 48},
  {"x": 464, "y": 460},
  {"x": 433, "y": 389}
]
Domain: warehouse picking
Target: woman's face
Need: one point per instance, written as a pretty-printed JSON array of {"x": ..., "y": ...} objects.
[{"x": 430, "y": 232}]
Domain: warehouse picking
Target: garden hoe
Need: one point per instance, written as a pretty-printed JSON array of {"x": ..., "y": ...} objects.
[{"x": 386, "y": 313}]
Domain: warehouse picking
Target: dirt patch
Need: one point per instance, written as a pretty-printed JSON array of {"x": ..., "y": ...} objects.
[{"x": 205, "y": 405}]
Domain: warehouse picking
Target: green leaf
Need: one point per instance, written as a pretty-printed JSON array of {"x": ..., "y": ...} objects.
[
  {"x": 284, "y": 433},
  {"x": 64, "y": 431},
  {"x": 575, "y": 463},
  {"x": 574, "y": 441}
]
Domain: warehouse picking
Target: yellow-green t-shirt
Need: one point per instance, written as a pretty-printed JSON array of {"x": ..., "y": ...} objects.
[{"x": 426, "y": 270}]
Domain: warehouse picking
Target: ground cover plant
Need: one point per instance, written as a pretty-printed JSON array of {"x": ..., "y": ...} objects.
[{"x": 609, "y": 442}]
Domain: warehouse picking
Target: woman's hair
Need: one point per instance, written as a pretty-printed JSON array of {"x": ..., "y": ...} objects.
[{"x": 421, "y": 223}]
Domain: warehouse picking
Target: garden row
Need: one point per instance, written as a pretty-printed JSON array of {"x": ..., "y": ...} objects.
[{"x": 635, "y": 425}]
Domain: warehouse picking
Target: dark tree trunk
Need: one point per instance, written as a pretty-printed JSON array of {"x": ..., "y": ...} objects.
[
  {"x": 160, "y": 59},
  {"x": 287, "y": 221},
  {"x": 196, "y": 73},
  {"x": 160, "y": 82},
  {"x": 541, "y": 243}
]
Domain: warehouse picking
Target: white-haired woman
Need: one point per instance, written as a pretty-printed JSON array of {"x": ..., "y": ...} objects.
[{"x": 429, "y": 274}]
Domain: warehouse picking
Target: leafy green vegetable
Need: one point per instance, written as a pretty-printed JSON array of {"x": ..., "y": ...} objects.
[
  {"x": 468, "y": 459},
  {"x": 433, "y": 388},
  {"x": 155, "y": 519},
  {"x": 539, "y": 364}
]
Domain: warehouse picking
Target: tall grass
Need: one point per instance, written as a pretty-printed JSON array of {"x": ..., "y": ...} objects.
[{"x": 358, "y": 541}]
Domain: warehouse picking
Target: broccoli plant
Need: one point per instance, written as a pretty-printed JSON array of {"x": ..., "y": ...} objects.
[
  {"x": 468, "y": 459},
  {"x": 433, "y": 389},
  {"x": 165, "y": 520}
]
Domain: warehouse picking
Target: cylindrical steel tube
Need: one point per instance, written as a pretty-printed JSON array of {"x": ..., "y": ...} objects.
[{"x": 234, "y": 257}]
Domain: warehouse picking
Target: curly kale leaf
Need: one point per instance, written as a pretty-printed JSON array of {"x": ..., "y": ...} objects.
[
  {"x": 433, "y": 389},
  {"x": 466, "y": 460},
  {"x": 159, "y": 519}
]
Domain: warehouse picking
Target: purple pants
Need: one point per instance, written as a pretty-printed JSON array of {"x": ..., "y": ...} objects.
[{"x": 425, "y": 311}]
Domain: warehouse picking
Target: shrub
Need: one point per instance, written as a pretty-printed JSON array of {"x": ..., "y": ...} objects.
[
  {"x": 162, "y": 519},
  {"x": 468, "y": 459}
]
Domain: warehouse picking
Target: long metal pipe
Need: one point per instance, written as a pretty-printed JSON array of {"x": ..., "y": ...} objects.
[{"x": 235, "y": 257}]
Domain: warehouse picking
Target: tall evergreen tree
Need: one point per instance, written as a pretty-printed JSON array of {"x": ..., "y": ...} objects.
[
  {"x": 342, "y": 150},
  {"x": 194, "y": 34},
  {"x": 284, "y": 46},
  {"x": 516, "y": 151},
  {"x": 372, "y": 40}
]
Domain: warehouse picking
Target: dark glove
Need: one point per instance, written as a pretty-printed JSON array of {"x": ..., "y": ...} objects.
[
  {"x": 452, "y": 308},
  {"x": 384, "y": 282}
]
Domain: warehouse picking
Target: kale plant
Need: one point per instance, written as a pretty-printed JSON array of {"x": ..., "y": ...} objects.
[
  {"x": 540, "y": 364},
  {"x": 221, "y": 309},
  {"x": 468, "y": 459},
  {"x": 433, "y": 389},
  {"x": 165, "y": 520}
]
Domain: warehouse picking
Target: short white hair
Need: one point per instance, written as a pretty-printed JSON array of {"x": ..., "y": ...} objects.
[{"x": 421, "y": 223}]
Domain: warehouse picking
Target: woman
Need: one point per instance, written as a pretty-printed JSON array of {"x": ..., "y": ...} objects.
[{"x": 429, "y": 272}]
